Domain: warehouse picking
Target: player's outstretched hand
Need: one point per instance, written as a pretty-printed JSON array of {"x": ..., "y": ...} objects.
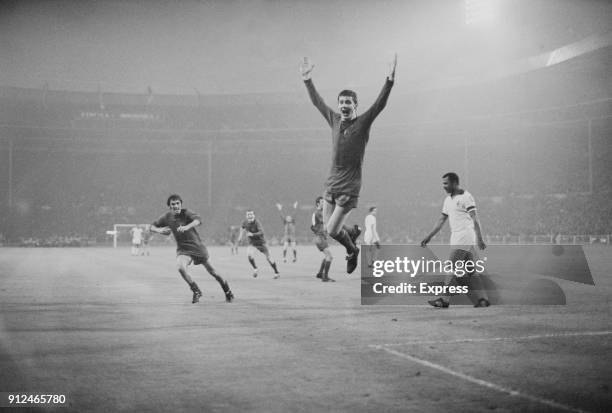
[
  {"x": 306, "y": 67},
  {"x": 295, "y": 204},
  {"x": 425, "y": 242},
  {"x": 392, "y": 67},
  {"x": 481, "y": 244},
  {"x": 279, "y": 207}
]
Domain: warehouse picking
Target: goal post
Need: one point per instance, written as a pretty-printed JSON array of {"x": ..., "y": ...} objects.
[{"x": 116, "y": 229}]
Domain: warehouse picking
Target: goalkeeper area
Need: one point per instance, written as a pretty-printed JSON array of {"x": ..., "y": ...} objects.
[
  {"x": 122, "y": 235},
  {"x": 119, "y": 333}
]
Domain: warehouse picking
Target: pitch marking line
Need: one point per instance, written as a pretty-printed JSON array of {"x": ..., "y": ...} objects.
[
  {"x": 484, "y": 383},
  {"x": 480, "y": 382},
  {"x": 478, "y": 340}
]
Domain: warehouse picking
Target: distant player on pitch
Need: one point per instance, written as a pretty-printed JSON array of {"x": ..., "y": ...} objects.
[
  {"x": 146, "y": 239},
  {"x": 255, "y": 234},
  {"x": 459, "y": 209},
  {"x": 136, "y": 232},
  {"x": 350, "y": 135},
  {"x": 182, "y": 224},
  {"x": 370, "y": 236},
  {"x": 289, "y": 231},
  {"x": 318, "y": 227},
  {"x": 234, "y": 230}
]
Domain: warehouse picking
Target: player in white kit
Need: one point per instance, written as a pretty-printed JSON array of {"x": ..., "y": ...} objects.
[
  {"x": 136, "y": 240},
  {"x": 460, "y": 210},
  {"x": 370, "y": 237}
]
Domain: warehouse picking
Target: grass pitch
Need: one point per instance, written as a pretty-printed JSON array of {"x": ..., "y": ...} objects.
[{"x": 119, "y": 333}]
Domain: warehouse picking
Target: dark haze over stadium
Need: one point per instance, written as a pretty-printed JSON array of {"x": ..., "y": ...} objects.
[
  {"x": 253, "y": 46},
  {"x": 519, "y": 106}
]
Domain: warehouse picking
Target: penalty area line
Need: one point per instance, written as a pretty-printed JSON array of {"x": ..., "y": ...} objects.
[
  {"x": 480, "y": 382},
  {"x": 478, "y": 340}
]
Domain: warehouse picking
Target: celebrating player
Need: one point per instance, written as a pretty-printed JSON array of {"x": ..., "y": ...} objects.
[
  {"x": 318, "y": 227},
  {"x": 350, "y": 135},
  {"x": 181, "y": 223},
  {"x": 255, "y": 234},
  {"x": 459, "y": 209},
  {"x": 289, "y": 231}
]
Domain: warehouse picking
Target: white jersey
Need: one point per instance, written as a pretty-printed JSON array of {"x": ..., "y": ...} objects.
[
  {"x": 371, "y": 235},
  {"x": 457, "y": 209},
  {"x": 136, "y": 235}
]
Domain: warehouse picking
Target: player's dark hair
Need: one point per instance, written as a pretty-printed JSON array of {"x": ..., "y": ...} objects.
[
  {"x": 319, "y": 198},
  {"x": 347, "y": 92},
  {"x": 372, "y": 208},
  {"x": 174, "y": 197},
  {"x": 453, "y": 177}
]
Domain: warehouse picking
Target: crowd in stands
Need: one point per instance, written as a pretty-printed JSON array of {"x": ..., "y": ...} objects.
[
  {"x": 119, "y": 166},
  {"x": 511, "y": 216},
  {"x": 54, "y": 241}
]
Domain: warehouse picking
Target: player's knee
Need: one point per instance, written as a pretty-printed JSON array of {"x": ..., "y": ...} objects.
[{"x": 181, "y": 266}]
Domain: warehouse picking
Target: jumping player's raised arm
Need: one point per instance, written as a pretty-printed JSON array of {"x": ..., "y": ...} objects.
[
  {"x": 383, "y": 96},
  {"x": 280, "y": 212},
  {"x": 306, "y": 68}
]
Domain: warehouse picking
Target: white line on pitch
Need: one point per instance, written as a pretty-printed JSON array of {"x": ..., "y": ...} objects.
[
  {"x": 473, "y": 340},
  {"x": 484, "y": 383}
]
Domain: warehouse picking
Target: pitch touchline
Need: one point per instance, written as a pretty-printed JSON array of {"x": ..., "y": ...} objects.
[
  {"x": 484, "y": 383},
  {"x": 471, "y": 340}
]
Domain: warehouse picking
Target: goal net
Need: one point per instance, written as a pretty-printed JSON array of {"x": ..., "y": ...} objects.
[{"x": 122, "y": 233}]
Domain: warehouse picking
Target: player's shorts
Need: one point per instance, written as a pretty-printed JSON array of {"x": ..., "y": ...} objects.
[
  {"x": 194, "y": 259},
  {"x": 461, "y": 255},
  {"x": 136, "y": 244},
  {"x": 289, "y": 239},
  {"x": 457, "y": 255},
  {"x": 342, "y": 200},
  {"x": 368, "y": 238},
  {"x": 321, "y": 242},
  {"x": 261, "y": 247}
]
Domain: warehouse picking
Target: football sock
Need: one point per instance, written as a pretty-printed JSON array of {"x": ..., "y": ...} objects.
[
  {"x": 322, "y": 268},
  {"x": 327, "y": 265},
  {"x": 273, "y": 265},
  {"x": 344, "y": 239},
  {"x": 194, "y": 287}
]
